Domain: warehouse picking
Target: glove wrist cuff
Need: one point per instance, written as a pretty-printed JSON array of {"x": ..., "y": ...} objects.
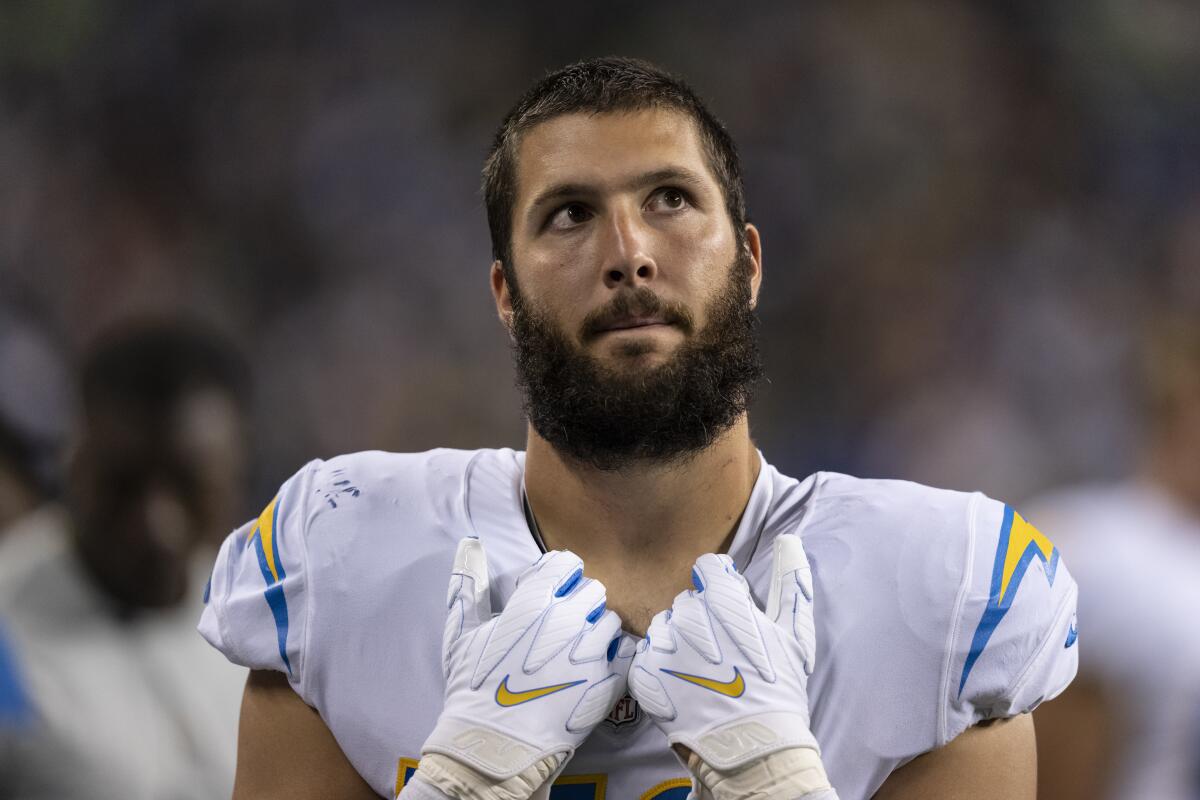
[
  {"x": 417, "y": 788},
  {"x": 796, "y": 774},
  {"x": 452, "y": 779},
  {"x": 824, "y": 794},
  {"x": 730, "y": 745},
  {"x": 496, "y": 753}
]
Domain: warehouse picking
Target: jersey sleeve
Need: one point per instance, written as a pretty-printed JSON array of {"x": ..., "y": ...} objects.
[
  {"x": 1015, "y": 636},
  {"x": 257, "y": 601}
]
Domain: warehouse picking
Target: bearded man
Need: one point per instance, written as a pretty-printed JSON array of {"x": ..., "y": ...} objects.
[{"x": 640, "y": 606}]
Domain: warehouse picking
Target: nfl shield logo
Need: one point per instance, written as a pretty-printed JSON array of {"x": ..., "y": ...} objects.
[{"x": 626, "y": 712}]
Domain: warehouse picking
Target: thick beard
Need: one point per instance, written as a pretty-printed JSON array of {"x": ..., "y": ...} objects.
[{"x": 609, "y": 419}]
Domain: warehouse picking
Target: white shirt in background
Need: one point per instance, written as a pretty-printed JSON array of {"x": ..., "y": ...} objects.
[
  {"x": 1136, "y": 556},
  {"x": 139, "y": 709}
]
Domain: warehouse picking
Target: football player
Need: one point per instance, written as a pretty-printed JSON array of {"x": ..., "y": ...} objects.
[
  {"x": 818, "y": 637},
  {"x": 98, "y": 595}
]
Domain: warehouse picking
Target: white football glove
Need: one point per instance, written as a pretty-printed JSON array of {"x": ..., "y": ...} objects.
[
  {"x": 730, "y": 683},
  {"x": 523, "y": 688}
]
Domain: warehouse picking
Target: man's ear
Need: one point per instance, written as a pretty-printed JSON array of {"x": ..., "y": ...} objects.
[
  {"x": 753, "y": 245},
  {"x": 501, "y": 295}
]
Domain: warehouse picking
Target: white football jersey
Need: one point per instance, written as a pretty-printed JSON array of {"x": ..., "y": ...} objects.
[
  {"x": 935, "y": 610},
  {"x": 1137, "y": 555}
]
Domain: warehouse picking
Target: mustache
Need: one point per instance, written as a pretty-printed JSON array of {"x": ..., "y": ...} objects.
[{"x": 640, "y": 302}]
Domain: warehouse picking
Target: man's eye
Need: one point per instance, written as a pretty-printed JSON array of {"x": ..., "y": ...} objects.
[
  {"x": 670, "y": 199},
  {"x": 569, "y": 215}
]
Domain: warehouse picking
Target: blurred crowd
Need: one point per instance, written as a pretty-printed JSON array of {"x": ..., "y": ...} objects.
[
  {"x": 966, "y": 209},
  {"x": 978, "y": 220}
]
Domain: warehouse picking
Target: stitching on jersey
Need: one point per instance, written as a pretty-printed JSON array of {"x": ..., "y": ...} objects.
[
  {"x": 956, "y": 617},
  {"x": 309, "y": 597},
  {"x": 465, "y": 493},
  {"x": 810, "y": 503},
  {"x": 806, "y": 506},
  {"x": 762, "y": 525},
  {"x": 217, "y": 599}
]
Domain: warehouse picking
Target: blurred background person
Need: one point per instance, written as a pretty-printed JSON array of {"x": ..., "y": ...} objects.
[
  {"x": 1129, "y": 727},
  {"x": 126, "y": 700}
]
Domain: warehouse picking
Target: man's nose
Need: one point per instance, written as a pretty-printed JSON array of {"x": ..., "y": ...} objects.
[{"x": 627, "y": 259}]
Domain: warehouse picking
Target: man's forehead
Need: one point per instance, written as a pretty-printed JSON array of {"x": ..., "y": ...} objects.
[{"x": 606, "y": 149}]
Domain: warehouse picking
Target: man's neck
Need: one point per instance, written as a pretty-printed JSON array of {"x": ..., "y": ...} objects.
[{"x": 651, "y": 513}]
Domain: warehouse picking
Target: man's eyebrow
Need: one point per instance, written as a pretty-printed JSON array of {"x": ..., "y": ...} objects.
[
  {"x": 559, "y": 191},
  {"x": 666, "y": 175}
]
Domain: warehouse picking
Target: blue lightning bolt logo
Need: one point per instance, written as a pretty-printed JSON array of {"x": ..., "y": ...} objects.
[
  {"x": 266, "y": 545},
  {"x": 1020, "y": 543}
]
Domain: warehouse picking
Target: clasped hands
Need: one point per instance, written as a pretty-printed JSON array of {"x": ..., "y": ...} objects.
[{"x": 726, "y": 681}]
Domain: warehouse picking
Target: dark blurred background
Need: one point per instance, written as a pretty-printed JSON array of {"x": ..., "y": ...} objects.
[{"x": 969, "y": 210}]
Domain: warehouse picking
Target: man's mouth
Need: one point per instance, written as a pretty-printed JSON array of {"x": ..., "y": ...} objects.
[
  {"x": 628, "y": 323},
  {"x": 640, "y": 310}
]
